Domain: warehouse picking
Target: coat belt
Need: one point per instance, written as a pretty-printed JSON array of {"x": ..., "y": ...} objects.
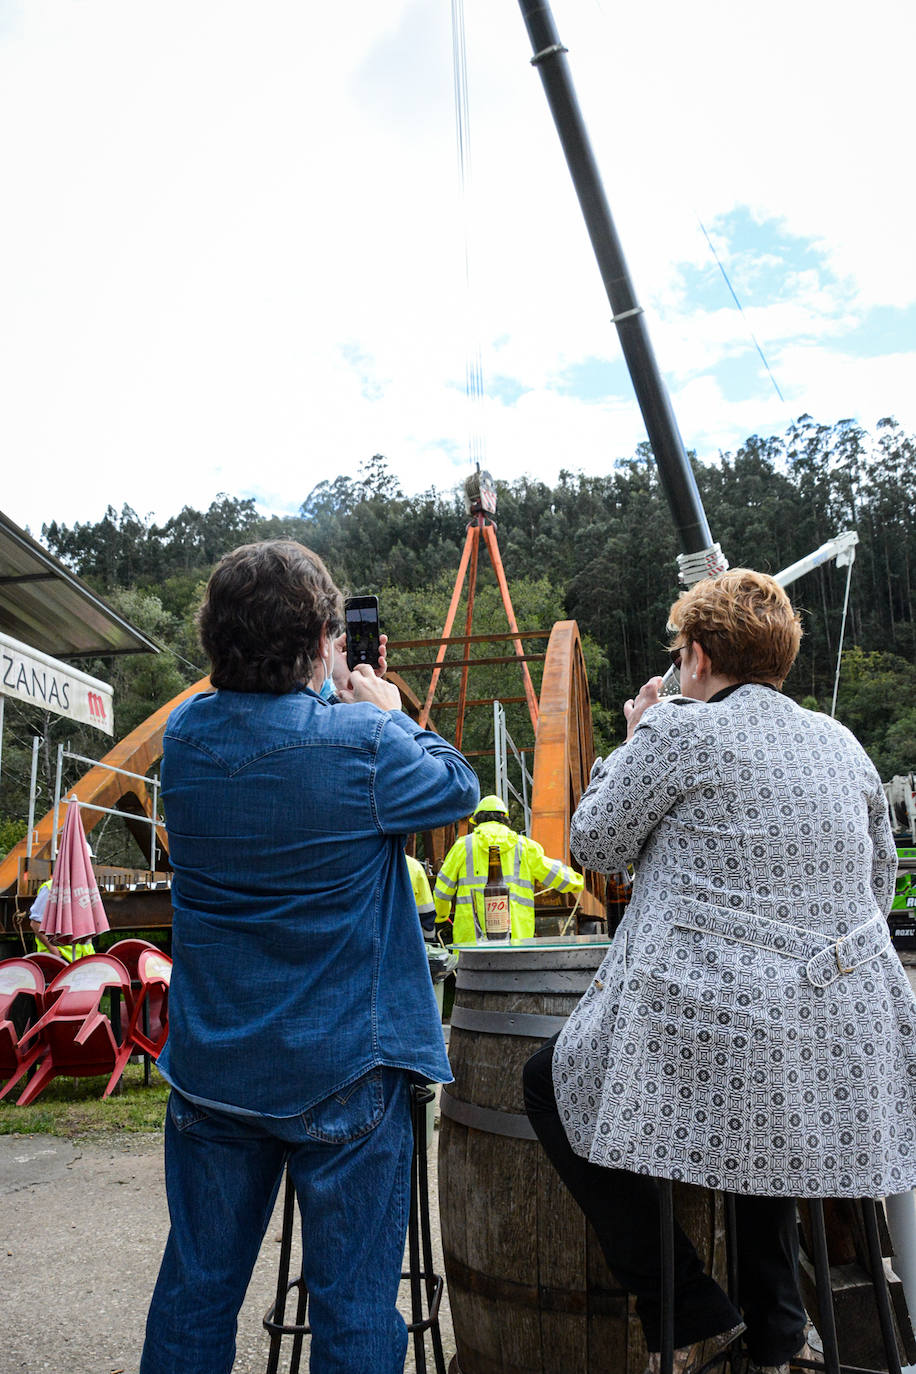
[{"x": 825, "y": 960}]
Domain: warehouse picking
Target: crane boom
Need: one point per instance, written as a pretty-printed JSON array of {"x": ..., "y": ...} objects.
[
  {"x": 675, "y": 473},
  {"x": 842, "y": 548}
]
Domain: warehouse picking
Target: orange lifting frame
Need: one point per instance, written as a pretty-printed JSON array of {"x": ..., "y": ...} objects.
[{"x": 477, "y": 528}]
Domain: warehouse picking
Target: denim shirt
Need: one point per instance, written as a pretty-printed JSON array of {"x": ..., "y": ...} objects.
[{"x": 299, "y": 961}]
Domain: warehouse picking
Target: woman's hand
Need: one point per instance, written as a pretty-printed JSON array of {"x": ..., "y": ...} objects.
[
  {"x": 635, "y": 709},
  {"x": 364, "y": 685},
  {"x": 341, "y": 673}
]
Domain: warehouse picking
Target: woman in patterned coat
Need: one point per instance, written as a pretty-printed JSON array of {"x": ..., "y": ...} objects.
[{"x": 751, "y": 1028}]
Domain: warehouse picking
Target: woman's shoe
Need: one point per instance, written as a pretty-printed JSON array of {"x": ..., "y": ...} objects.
[
  {"x": 805, "y": 1353},
  {"x": 691, "y": 1358}
]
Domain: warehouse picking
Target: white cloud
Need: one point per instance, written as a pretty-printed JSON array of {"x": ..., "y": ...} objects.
[{"x": 232, "y": 258}]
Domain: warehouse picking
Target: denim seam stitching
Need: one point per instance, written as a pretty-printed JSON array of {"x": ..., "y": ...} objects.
[
  {"x": 378, "y": 1113},
  {"x": 266, "y": 753},
  {"x": 287, "y": 748},
  {"x": 201, "y": 749},
  {"x": 193, "y": 1117},
  {"x": 376, "y": 976},
  {"x": 372, "y": 772}
]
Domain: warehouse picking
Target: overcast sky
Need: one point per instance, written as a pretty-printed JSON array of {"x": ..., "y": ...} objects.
[{"x": 232, "y": 245}]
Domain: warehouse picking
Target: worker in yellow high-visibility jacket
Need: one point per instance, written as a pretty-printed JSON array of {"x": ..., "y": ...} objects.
[
  {"x": 69, "y": 952},
  {"x": 422, "y": 896},
  {"x": 463, "y": 875}
]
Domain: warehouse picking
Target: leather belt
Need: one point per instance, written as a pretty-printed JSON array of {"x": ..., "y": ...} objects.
[{"x": 825, "y": 960}]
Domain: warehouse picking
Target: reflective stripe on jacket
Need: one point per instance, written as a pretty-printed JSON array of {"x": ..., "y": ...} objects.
[
  {"x": 421, "y": 893},
  {"x": 68, "y": 952},
  {"x": 463, "y": 877}
]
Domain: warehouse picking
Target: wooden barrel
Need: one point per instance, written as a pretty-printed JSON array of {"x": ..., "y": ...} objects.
[{"x": 528, "y": 1287}]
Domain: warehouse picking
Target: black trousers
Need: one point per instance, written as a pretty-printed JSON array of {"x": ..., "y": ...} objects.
[{"x": 624, "y": 1212}]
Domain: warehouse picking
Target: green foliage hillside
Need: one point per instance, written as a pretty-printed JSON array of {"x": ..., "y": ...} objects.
[{"x": 600, "y": 550}]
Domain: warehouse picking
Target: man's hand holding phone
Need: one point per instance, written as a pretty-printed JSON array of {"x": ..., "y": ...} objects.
[
  {"x": 361, "y": 657},
  {"x": 341, "y": 673},
  {"x": 368, "y": 685},
  {"x": 363, "y": 683},
  {"x": 362, "y": 630}
]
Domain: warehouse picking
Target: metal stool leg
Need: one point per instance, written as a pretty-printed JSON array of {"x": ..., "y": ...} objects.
[
  {"x": 419, "y": 1235},
  {"x": 827, "y": 1320},
  {"x": 420, "y": 1274},
  {"x": 879, "y": 1283},
  {"x": 826, "y": 1324},
  {"x": 731, "y": 1247},
  {"x": 273, "y": 1319},
  {"x": 733, "y": 1288},
  {"x": 666, "y": 1225},
  {"x": 301, "y": 1325},
  {"x": 418, "y": 1114},
  {"x": 434, "y": 1284}
]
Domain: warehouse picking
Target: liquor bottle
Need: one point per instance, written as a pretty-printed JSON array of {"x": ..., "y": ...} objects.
[{"x": 496, "y": 921}]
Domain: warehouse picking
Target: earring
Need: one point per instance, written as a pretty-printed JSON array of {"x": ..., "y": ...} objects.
[{"x": 694, "y": 676}]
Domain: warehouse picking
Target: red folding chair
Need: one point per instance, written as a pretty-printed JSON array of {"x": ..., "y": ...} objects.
[
  {"x": 50, "y": 964},
  {"x": 76, "y": 1034},
  {"x": 18, "y": 978},
  {"x": 155, "y": 1013},
  {"x": 129, "y": 951},
  {"x": 148, "y": 1028}
]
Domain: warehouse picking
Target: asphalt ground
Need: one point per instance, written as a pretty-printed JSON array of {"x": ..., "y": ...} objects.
[{"x": 82, "y": 1229}]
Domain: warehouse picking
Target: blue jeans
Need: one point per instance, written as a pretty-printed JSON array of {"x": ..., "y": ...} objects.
[{"x": 349, "y": 1158}]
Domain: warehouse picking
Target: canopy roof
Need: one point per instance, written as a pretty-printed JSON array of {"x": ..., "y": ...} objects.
[{"x": 47, "y": 607}]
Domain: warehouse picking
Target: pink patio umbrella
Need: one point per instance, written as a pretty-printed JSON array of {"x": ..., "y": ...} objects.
[{"x": 74, "y": 908}]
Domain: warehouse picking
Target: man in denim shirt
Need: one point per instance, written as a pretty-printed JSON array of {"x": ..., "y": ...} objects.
[{"x": 301, "y": 1003}]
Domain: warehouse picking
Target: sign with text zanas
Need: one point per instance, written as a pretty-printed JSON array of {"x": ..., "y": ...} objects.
[{"x": 39, "y": 680}]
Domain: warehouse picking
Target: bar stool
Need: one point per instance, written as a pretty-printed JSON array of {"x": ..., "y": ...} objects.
[
  {"x": 827, "y": 1319},
  {"x": 426, "y": 1287}
]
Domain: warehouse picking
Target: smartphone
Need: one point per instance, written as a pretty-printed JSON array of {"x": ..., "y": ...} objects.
[{"x": 361, "y": 617}]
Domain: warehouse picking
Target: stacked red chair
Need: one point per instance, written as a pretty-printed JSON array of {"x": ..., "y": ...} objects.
[
  {"x": 155, "y": 998},
  {"x": 148, "y": 1026},
  {"x": 18, "y": 978},
  {"x": 50, "y": 964},
  {"x": 76, "y": 1038}
]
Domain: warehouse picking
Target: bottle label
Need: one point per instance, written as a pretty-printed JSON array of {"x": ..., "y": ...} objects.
[{"x": 496, "y": 915}]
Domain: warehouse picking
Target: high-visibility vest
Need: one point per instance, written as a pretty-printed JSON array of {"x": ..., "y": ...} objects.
[
  {"x": 421, "y": 893},
  {"x": 463, "y": 876},
  {"x": 67, "y": 952}
]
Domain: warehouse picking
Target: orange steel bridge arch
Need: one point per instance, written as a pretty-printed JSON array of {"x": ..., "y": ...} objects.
[
  {"x": 137, "y": 752},
  {"x": 563, "y": 756}
]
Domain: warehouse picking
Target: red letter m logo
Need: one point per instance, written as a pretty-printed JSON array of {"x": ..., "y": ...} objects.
[{"x": 96, "y": 706}]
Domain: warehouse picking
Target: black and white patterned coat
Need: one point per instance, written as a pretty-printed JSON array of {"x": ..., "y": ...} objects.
[{"x": 751, "y": 1027}]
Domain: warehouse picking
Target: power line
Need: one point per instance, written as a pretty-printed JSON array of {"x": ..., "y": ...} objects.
[
  {"x": 473, "y": 363},
  {"x": 741, "y": 309}
]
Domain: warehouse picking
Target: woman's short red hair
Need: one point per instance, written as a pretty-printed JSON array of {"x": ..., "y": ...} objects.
[{"x": 744, "y": 621}]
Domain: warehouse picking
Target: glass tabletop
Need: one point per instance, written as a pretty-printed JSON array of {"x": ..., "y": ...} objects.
[{"x": 538, "y": 942}]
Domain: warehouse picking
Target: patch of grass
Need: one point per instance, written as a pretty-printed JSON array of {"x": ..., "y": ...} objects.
[{"x": 72, "y": 1107}]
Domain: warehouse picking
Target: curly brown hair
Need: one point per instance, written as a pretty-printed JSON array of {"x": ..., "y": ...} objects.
[
  {"x": 744, "y": 621},
  {"x": 262, "y": 616}
]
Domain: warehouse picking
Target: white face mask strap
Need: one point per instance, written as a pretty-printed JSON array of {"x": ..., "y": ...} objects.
[{"x": 327, "y": 687}]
